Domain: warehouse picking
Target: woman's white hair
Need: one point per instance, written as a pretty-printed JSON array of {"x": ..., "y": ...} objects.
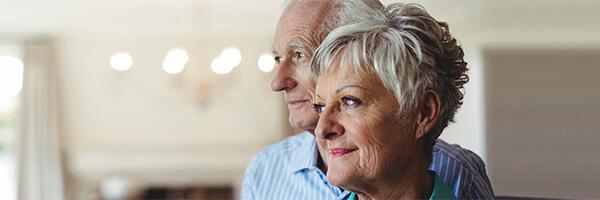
[{"x": 407, "y": 49}]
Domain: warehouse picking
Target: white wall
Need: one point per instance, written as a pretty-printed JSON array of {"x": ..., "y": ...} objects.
[{"x": 153, "y": 127}]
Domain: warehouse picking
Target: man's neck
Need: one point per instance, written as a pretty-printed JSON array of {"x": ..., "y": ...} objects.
[
  {"x": 321, "y": 164},
  {"x": 320, "y": 161}
]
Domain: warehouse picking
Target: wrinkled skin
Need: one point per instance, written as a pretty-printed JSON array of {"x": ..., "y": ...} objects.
[
  {"x": 370, "y": 165},
  {"x": 293, "y": 46},
  {"x": 358, "y": 114}
]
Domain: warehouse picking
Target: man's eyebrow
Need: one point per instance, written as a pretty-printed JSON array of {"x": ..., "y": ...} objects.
[
  {"x": 317, "y": 97},
  {"x": 349, "y": 86},
  {"x": 295, "y": 43}
]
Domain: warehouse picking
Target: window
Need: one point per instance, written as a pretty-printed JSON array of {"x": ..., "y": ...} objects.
[
  {"x": 11, "y": 81},
  {"x": 542, "y": 122}
]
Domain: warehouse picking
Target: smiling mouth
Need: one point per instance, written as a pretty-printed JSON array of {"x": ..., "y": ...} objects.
[{"x": 338, "y": 152}]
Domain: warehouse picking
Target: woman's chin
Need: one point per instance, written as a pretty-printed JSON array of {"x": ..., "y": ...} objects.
[
  {"x": 338, "y": 176},
  {"x": 336, "y": 180}
]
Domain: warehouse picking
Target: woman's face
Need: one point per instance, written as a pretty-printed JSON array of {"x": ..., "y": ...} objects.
[{"x": 360, "y": 128}]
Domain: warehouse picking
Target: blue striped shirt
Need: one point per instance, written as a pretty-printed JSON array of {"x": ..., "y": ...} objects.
[{"x": 288, "y": 170}]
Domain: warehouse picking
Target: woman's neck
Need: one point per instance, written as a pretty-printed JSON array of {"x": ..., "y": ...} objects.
[{"x": 414, "y": 182}]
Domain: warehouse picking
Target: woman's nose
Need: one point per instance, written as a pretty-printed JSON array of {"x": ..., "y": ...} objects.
[{"x": 328, "y": 126}]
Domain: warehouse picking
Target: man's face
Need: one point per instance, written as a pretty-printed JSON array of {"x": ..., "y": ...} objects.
[{"x": 292, "y": 48}]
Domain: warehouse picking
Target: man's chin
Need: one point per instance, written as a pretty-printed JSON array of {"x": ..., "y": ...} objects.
[{"x": 306, "y": 122}]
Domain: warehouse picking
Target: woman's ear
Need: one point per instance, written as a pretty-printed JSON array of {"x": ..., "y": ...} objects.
[{"x": 429, "y": 113}]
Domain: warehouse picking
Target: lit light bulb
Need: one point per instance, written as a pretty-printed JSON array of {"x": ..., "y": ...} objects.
[
  {"x": 8, "y": 104},
  {"x": 231, "y": 56},
  {"x": 114, "y": 187},
  {"x": 218, "y": 66},
  {"x": 266, "y": 62},
  {"x": 175, "y": 61},
  {"x": 11, "y": 76},
  {"x": 121, "y": 61}
]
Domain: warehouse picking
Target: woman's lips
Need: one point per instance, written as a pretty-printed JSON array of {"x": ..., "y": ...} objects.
[{"x": 337, "y": 152}]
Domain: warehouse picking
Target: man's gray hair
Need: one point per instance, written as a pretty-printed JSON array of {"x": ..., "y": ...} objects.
[
  {"x": 336, "y": 14},
  {"x": 408, "y": 50}
]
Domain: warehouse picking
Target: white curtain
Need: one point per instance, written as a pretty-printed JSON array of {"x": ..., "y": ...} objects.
[{"x": 40, "y": 171}]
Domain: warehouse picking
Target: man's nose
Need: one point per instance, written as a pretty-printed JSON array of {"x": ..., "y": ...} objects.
[
  {"x": 328, "y": 126},
  {"x": 283, "y": 79}
]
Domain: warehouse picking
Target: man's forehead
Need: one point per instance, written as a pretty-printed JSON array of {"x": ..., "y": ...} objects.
[
  {"x": 294, "y": 42},
  {"x": 298, "y": 22},
  {"x": 294, "y": 26},
  {"x": 306, "y": 5}
]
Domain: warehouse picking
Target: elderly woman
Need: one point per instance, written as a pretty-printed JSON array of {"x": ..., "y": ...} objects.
[{"x": 386, "y": 88}]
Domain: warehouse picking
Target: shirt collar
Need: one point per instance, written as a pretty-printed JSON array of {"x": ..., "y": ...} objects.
[
  {"x": 440, "y": 190},
  {"x": 306, "y": 155}
]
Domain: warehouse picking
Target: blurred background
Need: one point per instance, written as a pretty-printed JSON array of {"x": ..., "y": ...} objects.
[{"x": 164, "y": 99}]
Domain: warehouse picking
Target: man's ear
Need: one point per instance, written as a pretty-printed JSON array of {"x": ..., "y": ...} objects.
[{"x": 428, "y": 115}]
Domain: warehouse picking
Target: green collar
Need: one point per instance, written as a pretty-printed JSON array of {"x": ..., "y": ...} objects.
[{"x": 440, "y": 191}]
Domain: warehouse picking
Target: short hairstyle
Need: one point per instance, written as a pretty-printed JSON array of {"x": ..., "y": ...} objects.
[
  {"x": 409, "y": 51},
  {"x": 335, "y": 14}
]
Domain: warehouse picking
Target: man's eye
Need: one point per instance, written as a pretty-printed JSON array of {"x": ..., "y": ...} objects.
[
  {"x": 277, "y": 59},
  {"x": 299, "y": 55},
  {"x": 318, "y": 107},
  {"x": 351, "y": 101}
]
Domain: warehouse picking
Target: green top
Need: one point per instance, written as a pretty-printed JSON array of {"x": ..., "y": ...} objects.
[{"x": 440, "y": 191}]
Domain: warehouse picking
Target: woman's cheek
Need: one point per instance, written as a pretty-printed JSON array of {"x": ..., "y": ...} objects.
[
  {"x": 322, "y": 146},
  {"x": 369, "y": 146},
  {"x": 370, "y": 161}
]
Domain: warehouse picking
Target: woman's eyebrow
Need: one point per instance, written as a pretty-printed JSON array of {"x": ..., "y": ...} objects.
[{"x": 349, "y": 86}]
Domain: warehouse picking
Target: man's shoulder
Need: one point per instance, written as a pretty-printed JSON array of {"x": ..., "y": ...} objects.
[
  {"x": 286, "y": 148},
  {"x": 455, "y": 152},
  {"x": 268, "y": 169},
  {"x": 463, "y": 170}
]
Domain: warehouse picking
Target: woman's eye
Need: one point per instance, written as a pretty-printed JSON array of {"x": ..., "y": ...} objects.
[
  {"x": 318, "y": 107},
  {"x": 350, "y": 101}
]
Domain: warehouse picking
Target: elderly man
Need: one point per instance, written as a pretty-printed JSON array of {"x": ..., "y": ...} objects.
[{"x": 294, "y": 168}]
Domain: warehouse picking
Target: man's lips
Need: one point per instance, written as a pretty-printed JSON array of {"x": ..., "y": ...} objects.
[
  {"x": 336, "y": 152},
  {"x": 296, "y": 103}
]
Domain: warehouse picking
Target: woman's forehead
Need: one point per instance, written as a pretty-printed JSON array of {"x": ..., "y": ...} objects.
[
  {"x": 347, "y": 65},
  {"x": 340, "y": 76}
]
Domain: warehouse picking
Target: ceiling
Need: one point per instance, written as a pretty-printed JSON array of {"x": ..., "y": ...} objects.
[
  {"x": 162, "y": 16},
  {"x": 259, "y": 17},
  {"x": 138, "y": 16}
]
